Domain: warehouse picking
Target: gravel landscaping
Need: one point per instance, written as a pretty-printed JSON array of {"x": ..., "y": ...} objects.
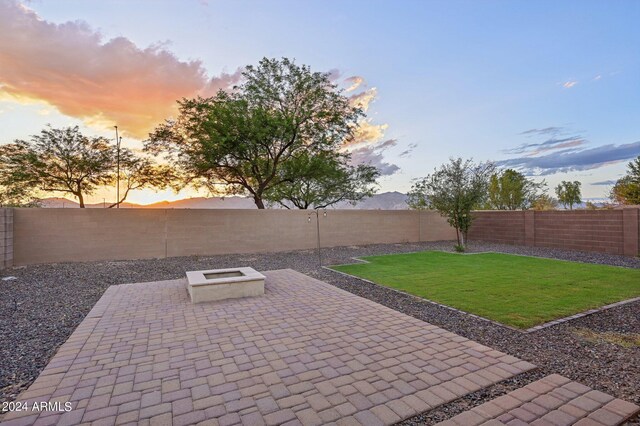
[{"x": 44, "y": 304}]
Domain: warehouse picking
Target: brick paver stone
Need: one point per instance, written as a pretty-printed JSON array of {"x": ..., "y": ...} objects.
[
  {"x": 604, "y": 409},
  {"x": 305, "y": 352}
]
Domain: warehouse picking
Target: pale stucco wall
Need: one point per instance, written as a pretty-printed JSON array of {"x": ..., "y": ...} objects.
[{"x": 72, "y": 235}]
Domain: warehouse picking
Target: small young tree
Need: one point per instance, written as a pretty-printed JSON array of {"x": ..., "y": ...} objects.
[
  {"x": 59, "y": 160},
  {"x": 454, "y": 190},
  {"x": 511, "y": 190},
  {"x": 322, "y": 180},
  {"x": 569, "y": 193}
]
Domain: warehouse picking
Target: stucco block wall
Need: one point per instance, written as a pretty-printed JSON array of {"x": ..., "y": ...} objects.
[
  {"x": 358, "y": 227},
  {"x": 434, "y": 227},
  {"x": 29, "y": 236},
  {"x": 74, "y": 235},
  {"x": 506, "y": 227},
  {"x": 192, "y": 232}
]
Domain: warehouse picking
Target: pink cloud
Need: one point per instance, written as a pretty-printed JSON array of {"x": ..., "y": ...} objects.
[{"x": 110, "y": 82}]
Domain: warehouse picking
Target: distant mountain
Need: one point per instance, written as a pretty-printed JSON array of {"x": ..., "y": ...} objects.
[
  {"x": 205, "y": 203},
  {"x": 63, "y": 203},
  {"x": 384, "y": 201}
]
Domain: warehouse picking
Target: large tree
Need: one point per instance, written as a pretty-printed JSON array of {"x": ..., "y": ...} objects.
[
  {"x": 322, "y": 180},
  {"x": 511, "y": 190},
  {"x": 454, "y": 190},
  {"x": 240, "y": 140},
  {"x": 569, "y": 193},
  {"x": 627, "y": 189},
  {"x": 59, "y": 160}
]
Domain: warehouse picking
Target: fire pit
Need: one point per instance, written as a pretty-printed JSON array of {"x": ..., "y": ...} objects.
[{"x": 220, "y": 284}]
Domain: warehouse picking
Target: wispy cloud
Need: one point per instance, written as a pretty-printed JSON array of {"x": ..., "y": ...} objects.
[
  {"x": 557, "y": 138},
  {"x": 572, "y": 160},
  {"x": 569, "y": 84},
  {"x": 553, "y": 130},
  {"x": 354, "y": 81},
  {"x": 373, "y": 155},
  {"x": 408, "y": 151},
  {"x": 551, "y": 144},
  {"x": 71, "y": 67},
  {"x": 367, "y": 131},
  {"x": 609, "y": 182},
  {"x": 364, "y": 99}
]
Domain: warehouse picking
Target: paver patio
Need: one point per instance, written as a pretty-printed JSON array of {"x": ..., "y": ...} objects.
[
  {"x": 304, "y": 353},
  {"x": 553, "y": 400}
]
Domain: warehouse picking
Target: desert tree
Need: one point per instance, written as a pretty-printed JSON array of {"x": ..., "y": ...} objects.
[
  {"x": 322, "y": 180},
  {"x": 627, "y": 189},
  {"x": 237, "y": 142},
  {"x": 14, "y": 191},
  {"x": 569, "y": 193},
  {"x": 511, "y": 190},
  {"x": 544, "y": 202},
  {"x": 454, "y": 190},
  {"x": 59, "y": 160},
  {"x": 139, "y": 172}
]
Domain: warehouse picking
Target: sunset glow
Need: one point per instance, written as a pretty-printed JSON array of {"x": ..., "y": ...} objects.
[{"x": 551, "y": 89}]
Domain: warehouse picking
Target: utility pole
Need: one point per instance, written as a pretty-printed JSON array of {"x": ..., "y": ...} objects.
[{"x": 118, "y": 140}]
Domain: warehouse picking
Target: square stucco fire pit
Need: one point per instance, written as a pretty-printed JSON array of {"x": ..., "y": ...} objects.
[{"x": 220, "y": 284}]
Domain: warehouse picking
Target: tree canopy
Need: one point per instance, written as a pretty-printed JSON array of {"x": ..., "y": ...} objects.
[
  {"x": 545, "y": 202},
  {"x": 454, "y": 190},
  {"x": 627, "y": 189},
  {"x": 64, "y": 160},
  {"x": 569, "y": 193},
  {"x": 511, "y": 190},
  {"x": 239, "y": 142},
  {"x": 138, "y": 172},
  {"x": 58, "y": 160},
  {"x": 322, "y": 180}
]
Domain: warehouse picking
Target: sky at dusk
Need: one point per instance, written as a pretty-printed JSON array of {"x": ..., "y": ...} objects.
[{"x": 550, "y": 88}]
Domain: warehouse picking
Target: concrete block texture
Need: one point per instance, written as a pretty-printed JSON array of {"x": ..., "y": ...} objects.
[
  {"x": 6, "y": 238},
  {"x": 606, "y": 231},
  {"x": 631, "y": 235},
  {"x": 77, "y": 235}
]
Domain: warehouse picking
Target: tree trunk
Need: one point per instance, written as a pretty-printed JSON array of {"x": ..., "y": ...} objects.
[
  {"x": 258, "y": 201},
  {"x": 80, "y": 199}
]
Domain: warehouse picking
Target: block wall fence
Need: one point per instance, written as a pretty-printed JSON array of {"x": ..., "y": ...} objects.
[
  {"x": 31, "y": 236},
  {"x": 606, "y": 231},
  {"x": 76, "y": 235}
]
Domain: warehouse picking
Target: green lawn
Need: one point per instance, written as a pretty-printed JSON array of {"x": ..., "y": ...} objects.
[{"x": 515, "y": 290}]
